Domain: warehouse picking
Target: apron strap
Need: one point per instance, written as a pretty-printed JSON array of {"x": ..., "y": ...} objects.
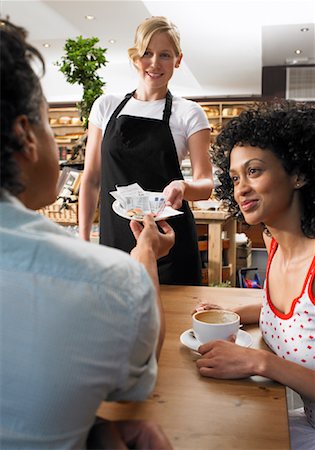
[
  {"x": 128, "y": 96},
  {"x": 168, "y": 107},
  {"x": 121, "y": 105},
  {"x": 166, "y": 112}
]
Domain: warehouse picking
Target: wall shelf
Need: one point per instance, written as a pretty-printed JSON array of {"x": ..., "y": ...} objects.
[
  {"x": 219, "y": 113},
  {"x": 67, "y": 127}
]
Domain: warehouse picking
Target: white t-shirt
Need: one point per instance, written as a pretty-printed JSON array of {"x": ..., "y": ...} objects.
[{"x": 187, "y": 117}]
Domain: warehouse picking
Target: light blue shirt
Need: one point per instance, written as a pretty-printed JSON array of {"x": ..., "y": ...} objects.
[{"x": 79, "y": 324}]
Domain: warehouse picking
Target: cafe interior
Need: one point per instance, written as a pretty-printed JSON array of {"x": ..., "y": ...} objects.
[{"x": 235, "y": 53}]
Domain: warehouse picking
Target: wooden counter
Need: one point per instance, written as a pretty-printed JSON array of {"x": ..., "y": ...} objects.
[{"x": 200, "y": 413}]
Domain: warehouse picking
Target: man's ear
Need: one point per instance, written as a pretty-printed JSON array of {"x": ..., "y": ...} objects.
[
  {"x": 299, "y": 181},
  {"x": 26, "y": 137}
]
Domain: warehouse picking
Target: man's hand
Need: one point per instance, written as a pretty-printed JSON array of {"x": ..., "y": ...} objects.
[
  {"x": 148, "y": 235},
  {"x": 126, "y": 434}
]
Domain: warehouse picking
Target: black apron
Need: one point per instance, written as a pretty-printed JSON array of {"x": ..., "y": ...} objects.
[{"x": 142, "y": 150}]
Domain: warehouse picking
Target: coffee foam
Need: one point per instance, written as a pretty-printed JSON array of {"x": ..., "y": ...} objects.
[{"x": 216, "y": 316}]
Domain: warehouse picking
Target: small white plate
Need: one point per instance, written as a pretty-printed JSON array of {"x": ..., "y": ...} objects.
[
  {"x": 165, "y": 214},
  {"x": 188, "y": 339}
]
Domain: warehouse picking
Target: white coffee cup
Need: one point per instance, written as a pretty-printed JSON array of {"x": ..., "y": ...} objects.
[{"x": 215, "y": 324}]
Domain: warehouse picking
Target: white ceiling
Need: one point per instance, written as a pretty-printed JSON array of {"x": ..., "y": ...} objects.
[{"x": 225, "y": 42}]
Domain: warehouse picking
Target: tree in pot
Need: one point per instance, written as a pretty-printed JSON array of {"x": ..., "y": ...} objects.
[{"x": 80, "y": 64}]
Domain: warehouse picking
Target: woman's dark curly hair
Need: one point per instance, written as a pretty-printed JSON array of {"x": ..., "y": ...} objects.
[
  {"x": 287, "y": 128},
  {"x": 21, "y": 94}
]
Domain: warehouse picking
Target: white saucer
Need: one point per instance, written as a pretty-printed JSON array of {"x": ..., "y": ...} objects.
[
  {"x": 188, "y": 339},
  {"x": 165, "y": 214}
]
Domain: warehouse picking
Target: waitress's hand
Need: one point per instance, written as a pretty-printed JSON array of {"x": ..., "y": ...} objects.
[
  {"x": 174, "y": 193},
  {"x": 148, "y": 235}
]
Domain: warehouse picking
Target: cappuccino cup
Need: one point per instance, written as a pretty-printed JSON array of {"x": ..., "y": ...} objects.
[{"x": 215, "y": 324}]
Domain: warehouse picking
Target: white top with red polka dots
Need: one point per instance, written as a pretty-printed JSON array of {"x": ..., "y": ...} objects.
[{"x": 292, "y": 336}]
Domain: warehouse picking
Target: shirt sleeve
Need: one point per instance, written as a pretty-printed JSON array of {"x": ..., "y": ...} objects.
[
  {"x": 97, "y": 112},
  {"x": 102, "y": 109},
  {"x": 141, "y": 368},
  {"x": 196, "y": 119}
]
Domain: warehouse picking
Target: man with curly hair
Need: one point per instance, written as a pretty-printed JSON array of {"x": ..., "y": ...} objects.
[{"x": 266, "y": 161}]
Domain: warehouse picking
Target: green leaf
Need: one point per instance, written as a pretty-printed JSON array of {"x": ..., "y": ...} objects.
[{"x": 79, "y": 65}]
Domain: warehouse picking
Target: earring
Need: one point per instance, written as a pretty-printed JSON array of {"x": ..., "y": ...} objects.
[{"x": 297, "y": 185}]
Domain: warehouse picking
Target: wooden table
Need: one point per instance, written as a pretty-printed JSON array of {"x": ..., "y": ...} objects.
[
  {"x": 218, "y": 221},
  {"x": 203, "y": 413}
]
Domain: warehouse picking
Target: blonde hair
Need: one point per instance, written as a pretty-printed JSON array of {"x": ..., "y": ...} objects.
[{"x": 145, "y": 31}]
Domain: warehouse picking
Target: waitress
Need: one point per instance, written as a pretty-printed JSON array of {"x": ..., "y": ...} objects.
[{"x": 143, "y": 138}]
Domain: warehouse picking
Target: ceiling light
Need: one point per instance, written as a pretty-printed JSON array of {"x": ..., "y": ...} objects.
[
  {"x": 112, "y": 41},
  {"x": 298, "y": 51},
  {"x": 46, "y": 45},
  {"x": 304, "y": 29},
  {"x": 88, "y": 17}
]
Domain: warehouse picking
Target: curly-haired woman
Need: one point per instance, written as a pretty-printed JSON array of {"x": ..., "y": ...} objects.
[{"x": 266, "y": 158}]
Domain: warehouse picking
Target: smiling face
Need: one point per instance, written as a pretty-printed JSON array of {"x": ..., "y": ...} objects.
[
  {"x": 156, "y": 66},
  {"x": 264, "y": 191}
]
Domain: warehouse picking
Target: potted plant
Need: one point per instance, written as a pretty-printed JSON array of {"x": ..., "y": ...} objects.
[{"x": 80, "y": 64}]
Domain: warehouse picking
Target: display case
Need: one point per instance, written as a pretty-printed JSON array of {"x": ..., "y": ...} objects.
[
  {"x": 219, "y": 113},
  {"x": 67, "y": 127}
]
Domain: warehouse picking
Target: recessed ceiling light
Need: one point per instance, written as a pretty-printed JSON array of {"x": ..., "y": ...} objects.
[
  {"x": 112, "y": 41},
  {"x": 298, "y": 51},
  {"x": 88, "y": 17},
  {"x": 304, "y": 29},
  {"x": 46, "y": 45}
]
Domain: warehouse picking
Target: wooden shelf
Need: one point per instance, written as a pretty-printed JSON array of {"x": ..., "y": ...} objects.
[
  {"x": 56, "y": 114},
  {"x": 70, "y": 125},
  {"x": 61, "y": 109},
  {"x": 66, "y": 134},
  {"x": 219, "y": 112},
  {"x": 216, "y": 121}
]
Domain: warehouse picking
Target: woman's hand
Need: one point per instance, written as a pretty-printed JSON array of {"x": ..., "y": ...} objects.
[
  {"x": 226, "y": 360},
  {"x": 174, "y": 194},
  {"x": 204, "y": 306},
  {"x": 147, "y": 234},
  {"x": 247, "y": 313}
]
